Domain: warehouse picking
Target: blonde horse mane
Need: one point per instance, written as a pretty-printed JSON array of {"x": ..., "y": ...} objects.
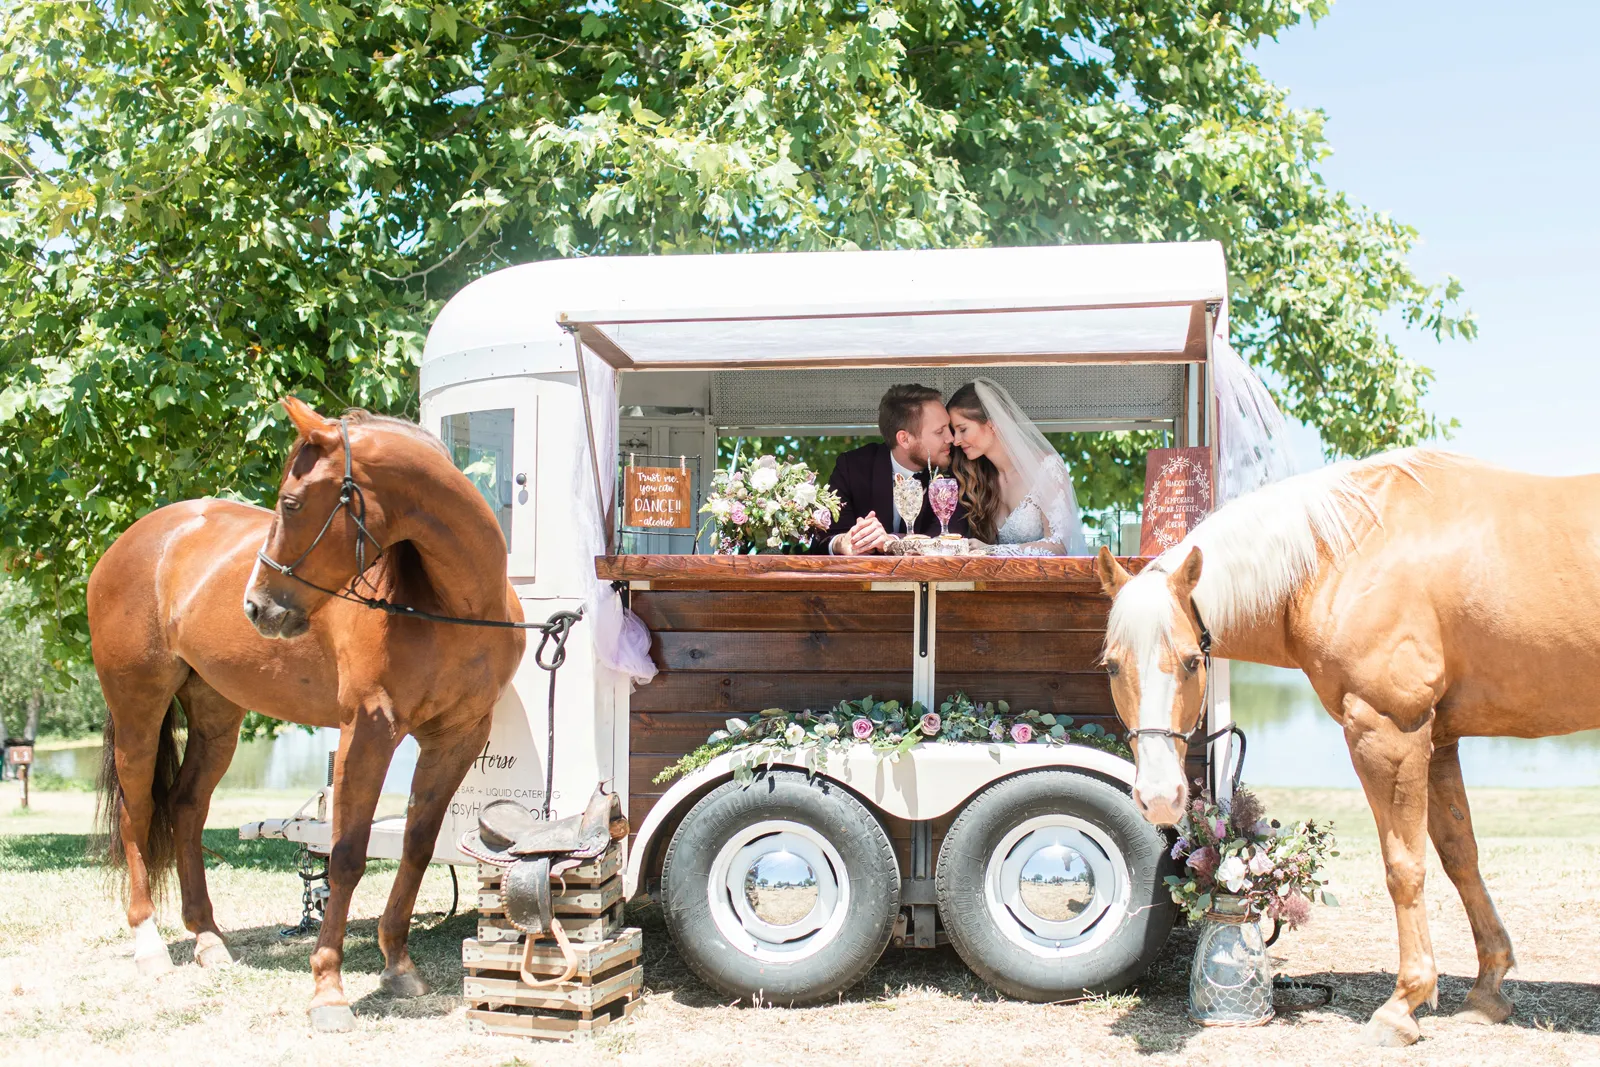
[{"x": 1260, "y": 548}]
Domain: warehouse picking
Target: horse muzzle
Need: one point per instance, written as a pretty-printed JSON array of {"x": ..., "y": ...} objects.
[{"x": 273, "y": 620}]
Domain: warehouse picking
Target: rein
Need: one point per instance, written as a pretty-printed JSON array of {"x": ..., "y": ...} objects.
[{"x": 353, "y": 501}]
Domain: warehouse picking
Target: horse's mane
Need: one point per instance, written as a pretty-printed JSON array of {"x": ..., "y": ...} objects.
[
  {"x": 363, "y": 417},
  {"x": 1260, "y": 548}
]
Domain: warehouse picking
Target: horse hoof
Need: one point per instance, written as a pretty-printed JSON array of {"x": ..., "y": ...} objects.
[
  {"x": 332, "y": 1018},
  {"x": 1486, "y": 1009},
  {"x": 1381, "y": 1033},
  {"x": 155, "y": 964},
  {"x": 214, "y": 956},
  {"x": 406, "y": 984}
]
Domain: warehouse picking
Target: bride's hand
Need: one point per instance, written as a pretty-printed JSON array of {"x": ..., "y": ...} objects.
[{"x": 868, "y": 535}]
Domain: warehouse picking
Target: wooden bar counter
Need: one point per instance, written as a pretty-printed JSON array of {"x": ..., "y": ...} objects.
[{"x": 735, "y": 634}]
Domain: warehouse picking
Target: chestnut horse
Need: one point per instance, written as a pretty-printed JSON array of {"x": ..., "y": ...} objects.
[
  {"x": 363, "y": 494},
  {"x": 1404, "y": 588}
]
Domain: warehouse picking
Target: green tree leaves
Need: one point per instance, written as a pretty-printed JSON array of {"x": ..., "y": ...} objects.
[{"x": 205, "y": 204}]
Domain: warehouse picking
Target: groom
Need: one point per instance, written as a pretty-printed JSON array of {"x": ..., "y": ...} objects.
[{"x": 916, "y": 433}]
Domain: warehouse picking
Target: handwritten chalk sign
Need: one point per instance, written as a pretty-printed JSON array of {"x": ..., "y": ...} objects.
[
  {"x": 657, "y": 498},
  {"x": 1177, "y": 495}
]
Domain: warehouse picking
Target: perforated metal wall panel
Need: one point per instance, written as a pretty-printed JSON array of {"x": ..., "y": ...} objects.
[{"x": 849, "y": 398}]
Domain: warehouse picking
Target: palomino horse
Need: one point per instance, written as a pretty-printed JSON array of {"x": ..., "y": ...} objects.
[
  {"x": 365, "y": 496},
  {"x": 1402, "y": 586}
]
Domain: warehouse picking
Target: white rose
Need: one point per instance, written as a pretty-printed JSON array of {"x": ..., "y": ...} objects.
[
  {"x": 1232, "y": 873},
  {"x": 763, "y": 478},
  {"x": 805, "y": 494},
  {"x": 830, "y": 729},
  {"x": 794, "y": 733},
  {"x": 721, "y": 508}
]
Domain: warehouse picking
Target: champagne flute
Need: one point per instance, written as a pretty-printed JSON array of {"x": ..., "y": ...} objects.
[
  {"x": 908, "y": 500},
  {"x": 943, "y": 494}
]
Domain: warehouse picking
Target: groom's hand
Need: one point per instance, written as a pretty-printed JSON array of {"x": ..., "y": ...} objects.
[{"x": 868, "y": 536}]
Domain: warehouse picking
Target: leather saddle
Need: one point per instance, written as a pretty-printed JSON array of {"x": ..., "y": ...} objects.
[{"x": 532, "y": 852}]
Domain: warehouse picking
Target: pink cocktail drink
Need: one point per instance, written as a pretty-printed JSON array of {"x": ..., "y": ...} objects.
[{"x": 944, "y": 493}]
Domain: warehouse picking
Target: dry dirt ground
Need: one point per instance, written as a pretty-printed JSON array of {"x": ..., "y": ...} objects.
[{"x": 69, "y": 994}]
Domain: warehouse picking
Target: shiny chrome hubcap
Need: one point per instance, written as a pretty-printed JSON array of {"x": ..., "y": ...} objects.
[
  {"x": 778, "y": 891},
  {"x": 1057, "y": 886}
]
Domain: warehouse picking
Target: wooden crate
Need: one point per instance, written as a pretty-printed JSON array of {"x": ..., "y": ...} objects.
[{"x": 604, "y": 989}]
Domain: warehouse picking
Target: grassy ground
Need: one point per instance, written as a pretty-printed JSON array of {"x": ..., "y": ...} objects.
[{"x": 69, "y": 994}]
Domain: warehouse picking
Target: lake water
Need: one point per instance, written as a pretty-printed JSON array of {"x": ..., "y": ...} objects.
[
  {"x": 295, "y": 759},
  {"x": 1293, "y": 742}
]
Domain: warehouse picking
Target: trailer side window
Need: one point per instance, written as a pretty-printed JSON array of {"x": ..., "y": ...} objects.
[{"x": 480, "y": 445}]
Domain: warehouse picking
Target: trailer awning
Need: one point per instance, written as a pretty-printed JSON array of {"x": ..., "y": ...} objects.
[{"x": 1070, "y": 304}]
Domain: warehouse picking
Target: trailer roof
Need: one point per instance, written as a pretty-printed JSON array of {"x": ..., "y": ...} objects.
[{"x": 1060, "y": 304}]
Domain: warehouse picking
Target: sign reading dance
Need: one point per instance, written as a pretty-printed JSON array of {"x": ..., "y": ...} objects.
[{"x": 657, "y": 498}]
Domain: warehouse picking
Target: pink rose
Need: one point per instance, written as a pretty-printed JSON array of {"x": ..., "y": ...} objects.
[
  {"x": 822, "y": 518},
  {"x": 738, "y": 515},
  {"x": 862, "y": 729},
  {"x": 1022, "y": 733},
  {"x": 930, "y": 723},
  {"x": 1203, "y": 861}
]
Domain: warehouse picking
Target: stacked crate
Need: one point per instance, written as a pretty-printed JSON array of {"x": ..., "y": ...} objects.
[{"x": 609, "y": 978}]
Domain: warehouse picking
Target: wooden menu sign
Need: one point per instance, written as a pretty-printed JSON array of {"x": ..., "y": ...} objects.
[
  {"x": 1178, "y": 491},
  {"x": 657, "y": 498}
]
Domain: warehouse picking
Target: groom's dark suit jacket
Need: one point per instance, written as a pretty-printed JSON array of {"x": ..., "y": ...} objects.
[{"x": 864, "y": 480}]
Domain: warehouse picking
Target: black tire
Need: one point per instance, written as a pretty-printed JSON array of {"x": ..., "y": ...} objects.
[
  {"x": 1002, "y": 941},
  {"x": 718, "y": 945}
]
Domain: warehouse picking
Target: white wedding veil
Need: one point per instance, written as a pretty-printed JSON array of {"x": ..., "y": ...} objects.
[{"x": 1038, "y": 464}]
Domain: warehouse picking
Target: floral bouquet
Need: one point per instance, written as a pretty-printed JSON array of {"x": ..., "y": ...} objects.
[
  {"x": 891, "y": 728},
  {"x": 1231, "y": 848},
  {"x": 768, "y": 504}
]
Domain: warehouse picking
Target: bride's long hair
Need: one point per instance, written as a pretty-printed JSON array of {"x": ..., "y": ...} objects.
[{"x": 980, "y": 481}]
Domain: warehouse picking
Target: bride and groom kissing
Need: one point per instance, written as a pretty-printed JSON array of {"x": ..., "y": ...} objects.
[{"x": 1016, "y": 492}]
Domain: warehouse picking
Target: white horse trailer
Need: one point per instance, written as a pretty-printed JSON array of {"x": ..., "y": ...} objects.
[{"x": 544, "y": 379}]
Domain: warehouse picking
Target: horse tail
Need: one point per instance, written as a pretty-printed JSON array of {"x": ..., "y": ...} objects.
[{"x": 160, "y": 848}]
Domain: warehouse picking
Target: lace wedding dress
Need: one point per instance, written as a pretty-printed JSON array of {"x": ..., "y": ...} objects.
[{"x": 1046, "y": 522}]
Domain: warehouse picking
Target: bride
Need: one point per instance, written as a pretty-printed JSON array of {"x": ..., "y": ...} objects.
[{"x": 1016, "y": 489}]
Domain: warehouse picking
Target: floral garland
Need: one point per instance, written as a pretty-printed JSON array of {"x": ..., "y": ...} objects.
[
  {"x": 889, "y": 728},
  {"x": 769, "y": 504},
  {"x": 1232, "y": 848}
]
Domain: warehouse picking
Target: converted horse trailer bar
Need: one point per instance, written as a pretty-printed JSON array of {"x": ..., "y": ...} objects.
[{"x": 678, "y": 351}]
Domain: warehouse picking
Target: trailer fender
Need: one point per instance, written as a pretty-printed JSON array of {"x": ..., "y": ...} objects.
[{"x": 924, "y": 783}]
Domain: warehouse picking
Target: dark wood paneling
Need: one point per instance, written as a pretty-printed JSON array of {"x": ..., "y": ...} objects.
[
  {"x": 672, "y": 733},
  {"x": 831, "y": 612},
  {"x": 792, "y": 651},
  {"x": 677, "y": 691},
  {"x": 1074, "y": 651},
  {"x": 1021, "y": 612},
  {"x": 1080, "y": 695}
]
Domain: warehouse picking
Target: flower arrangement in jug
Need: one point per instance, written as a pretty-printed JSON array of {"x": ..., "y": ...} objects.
[
  {"x": 768, "y": 504},
  {"x": 1233, "y": 849}
]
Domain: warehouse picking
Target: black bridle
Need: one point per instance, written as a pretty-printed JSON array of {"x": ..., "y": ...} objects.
[
  {"x": 1231, "y": 728},
  {"x": 353, "y": 502}
]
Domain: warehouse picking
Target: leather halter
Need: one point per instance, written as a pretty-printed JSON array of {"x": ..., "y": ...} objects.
[
  {"x": 348, "y": 491},
  {"x": 1205, "y": 650},
  {"x": 354, "y": 502}
]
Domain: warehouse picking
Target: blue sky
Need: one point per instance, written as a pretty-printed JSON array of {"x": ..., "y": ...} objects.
[{"x": 1479, "y": 125}]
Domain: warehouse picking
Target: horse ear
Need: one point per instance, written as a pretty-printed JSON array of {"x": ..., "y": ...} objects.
[
  {"x": 1183, "y": 580},
  {"x": 312, "y": 427},
  {"x": 1113, "y": 576}
]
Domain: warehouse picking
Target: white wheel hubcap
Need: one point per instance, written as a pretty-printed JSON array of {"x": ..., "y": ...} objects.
[
  {"x": 778, "y": 891},
  {"x": 1057, "y": 886}
]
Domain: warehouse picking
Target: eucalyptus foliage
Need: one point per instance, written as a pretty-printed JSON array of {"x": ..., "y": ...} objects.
[{"x": 205, "y": 204}]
